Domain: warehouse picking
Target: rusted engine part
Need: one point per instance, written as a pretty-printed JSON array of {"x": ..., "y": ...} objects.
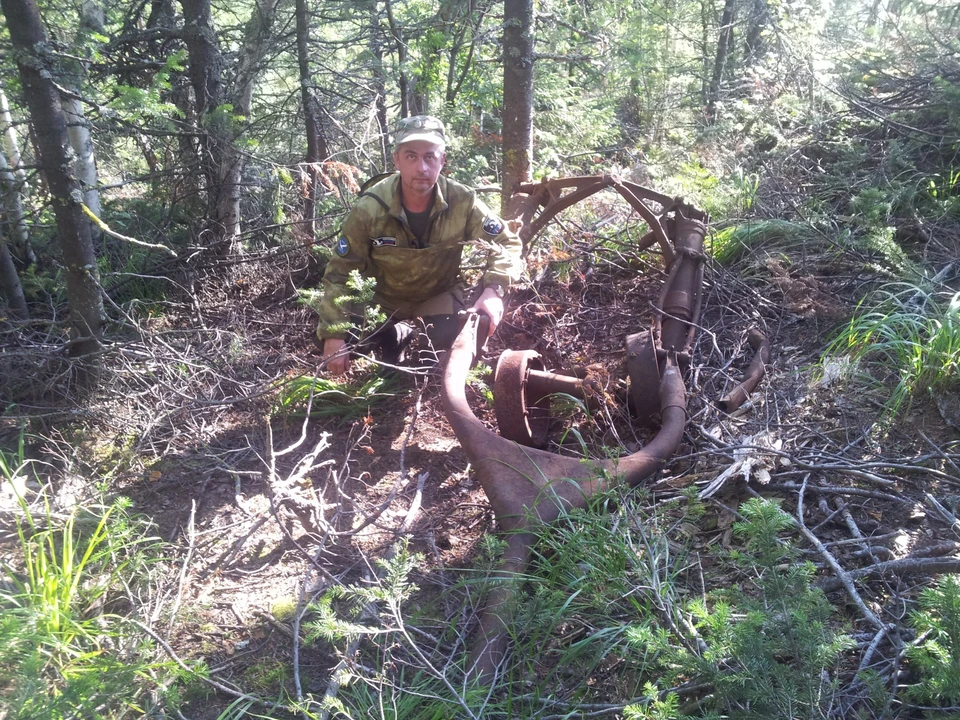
[
  {"x": 527, "y": 487},
  {"x": 552, "y": 196},
  {"x": 679, "y": 229},
  {"x": 522, "y": 388},
  {"x": 676, "y": 316},
  {"x": 755, "y": 372}
]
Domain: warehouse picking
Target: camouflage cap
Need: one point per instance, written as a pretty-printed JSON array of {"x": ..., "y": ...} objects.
[{"x": 419, "y": 127}]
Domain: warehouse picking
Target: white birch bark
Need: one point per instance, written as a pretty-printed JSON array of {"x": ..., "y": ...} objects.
[{"x": 85, "y": 163}]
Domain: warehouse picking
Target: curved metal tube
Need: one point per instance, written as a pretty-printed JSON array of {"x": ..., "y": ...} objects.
[
  {"x": 755, "y": 372},
  {"x": 526, "y": 486}
]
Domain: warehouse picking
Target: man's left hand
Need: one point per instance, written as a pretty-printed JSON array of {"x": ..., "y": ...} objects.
[{"x": 491, "y": 305}]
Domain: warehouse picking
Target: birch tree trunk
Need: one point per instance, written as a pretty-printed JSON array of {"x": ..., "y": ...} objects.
[
  {"x": 50, "y": 124},
  {"x": 13, "y": 181},
  {"x": 10, "y": 287},
  {"x": 78, "y": 130}
]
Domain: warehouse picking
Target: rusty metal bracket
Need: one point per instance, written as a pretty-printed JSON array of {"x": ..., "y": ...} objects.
[
  {"x": 755, "y": 372},
  {"x": 522, "y": 390}
]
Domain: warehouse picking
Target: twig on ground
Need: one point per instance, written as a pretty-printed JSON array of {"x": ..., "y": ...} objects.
[
  {"x": 904, "y": 567},
  {"x": 844, "y": 578},
  {"x": 191, "y": 539}
]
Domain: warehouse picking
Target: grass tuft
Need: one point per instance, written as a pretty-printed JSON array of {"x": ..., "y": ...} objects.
[
  {"x": 908, "y": 338},
  {"x": 65, "y": 649},
  {"x": 328, "y": 398}
]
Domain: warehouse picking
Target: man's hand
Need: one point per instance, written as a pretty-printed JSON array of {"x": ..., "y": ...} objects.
[
  {"x": 338, "y": 360},
  {"x": 491, "y": 305}
]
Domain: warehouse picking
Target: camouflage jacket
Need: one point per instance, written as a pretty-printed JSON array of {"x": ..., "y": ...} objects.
[{"x": 376, "y": 239}]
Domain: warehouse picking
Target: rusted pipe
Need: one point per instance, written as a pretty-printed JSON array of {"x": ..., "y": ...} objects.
[
  {"x": 755, "y": 372},
  {"x": 680, "y": 300},
  {"x": 526, "y": 486},
  {"x": 541, "y": 383}
]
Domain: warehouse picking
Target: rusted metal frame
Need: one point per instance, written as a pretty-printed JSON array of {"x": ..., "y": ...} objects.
[
  {"x": 646, "y": 193},
  {"x": 527, "y": 487},
  {"x": 652, "y": 219},
  {"x": 547, "y": 194},
  {"x": 755, "y": 372},
  {"x": 558, "y": 203},
  {"x": 639, "y": 190},
  {"x": 674, "y": 323}
]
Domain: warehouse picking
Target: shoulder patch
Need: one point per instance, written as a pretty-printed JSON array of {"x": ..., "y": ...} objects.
[
  {"x": 383, "y": 242},
  {"x": 342, "y": 247},
  {"x": 492, "y": 225}
]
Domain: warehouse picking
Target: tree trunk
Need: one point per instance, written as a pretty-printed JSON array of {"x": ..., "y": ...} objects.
[
  {"x": 401, "y": 47},
  {"x": 16, "y": 224},
  {"x": 206, "y": 76},
  {"x": 46, "y": 112},
  {"x": 517, "y": 95},
  {"x": 311, "y": 121},
  {"x": 222, "y": 162},
  {"x": 14, "y": 181},
  {"x": 724, "y": 46},
  {"x": 81, "y": 141},
  {"x": 10, "y": 287},
  {"x": 464, "y": 25},
  {"x": 380, "y": 85},
  {"x": 754, "y": 45}
]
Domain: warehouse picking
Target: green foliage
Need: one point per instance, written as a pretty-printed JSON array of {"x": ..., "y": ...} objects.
[
  {"x": 478, "y": 378},
  {"x": 731, "y": 243},
  {"x": 936, "y": 659},
  {"x": 360, "y": 292},
  {"x": 404, "y": 684},
  {"x": 656, "y": 709},
  {"x": 328, "y": 398},
  {"x": 909, "y": 338},
  {"x": 64, "y": 650},
  {"x": 771, "y": 648}
]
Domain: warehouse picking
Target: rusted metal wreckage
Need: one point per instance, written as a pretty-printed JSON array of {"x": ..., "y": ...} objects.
[{"x": 528, "y": 486}]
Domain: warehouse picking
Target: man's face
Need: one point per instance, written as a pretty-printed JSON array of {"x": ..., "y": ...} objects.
[{"x": 419, "y": 163}]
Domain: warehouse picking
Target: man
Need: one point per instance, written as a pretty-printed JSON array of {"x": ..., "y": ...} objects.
[{"x": 408, "y": 232}]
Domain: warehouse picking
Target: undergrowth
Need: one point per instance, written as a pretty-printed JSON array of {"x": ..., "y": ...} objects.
[
  {"x": 906, "y": 338},
  {"x": 67, "y": 647},
  {"x": 607, "y": 610}
]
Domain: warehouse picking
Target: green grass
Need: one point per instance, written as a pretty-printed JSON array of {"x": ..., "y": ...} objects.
[
  {"x": 731, "y": 243},
  {"x": 908, "y": 339},
  {"x": 329, "y": 398},
  {"x": 66, "y": 650},
  {"x": 607, "y": 615}
]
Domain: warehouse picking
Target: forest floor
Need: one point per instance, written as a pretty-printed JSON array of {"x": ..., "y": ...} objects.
[{"x": 267, "y": 512}]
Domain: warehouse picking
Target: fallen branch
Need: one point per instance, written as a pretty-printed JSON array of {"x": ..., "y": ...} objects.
[
  {"x": 843, "y": 577},
  {"x": 904, "y": 567},
  {"x": 126, "y": 238}
]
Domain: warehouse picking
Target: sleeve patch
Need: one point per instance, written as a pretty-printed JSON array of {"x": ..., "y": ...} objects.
[
  {"x": 342, "y": 247},
  {"x": 492, "y": 225}
]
